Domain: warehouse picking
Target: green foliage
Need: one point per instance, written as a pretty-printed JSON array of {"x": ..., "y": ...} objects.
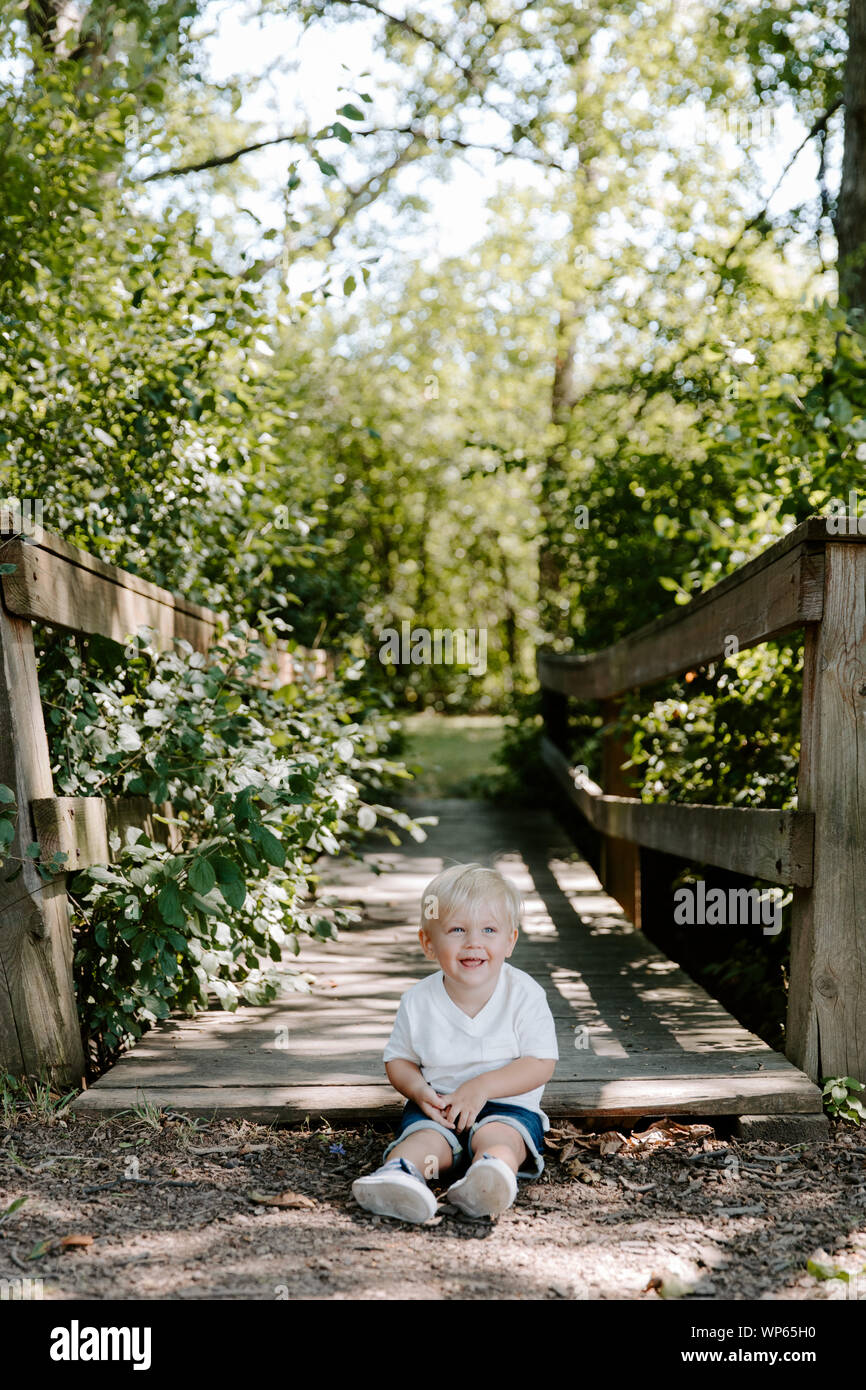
[
  {"x": 840, "y": 1100},
  {"x": 260, "y": 782}
]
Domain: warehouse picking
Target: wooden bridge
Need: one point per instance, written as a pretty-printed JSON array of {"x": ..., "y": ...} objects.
[{"x": 637, "y": 1037}]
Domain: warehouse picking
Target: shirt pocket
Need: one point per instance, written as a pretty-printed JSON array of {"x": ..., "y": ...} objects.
[{"x": 502, "y": 1048}]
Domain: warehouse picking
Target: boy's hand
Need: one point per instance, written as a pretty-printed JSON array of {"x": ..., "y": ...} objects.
[
  {"x": 463, "y": 1105},
  {"x": 433, "y": 1105}
]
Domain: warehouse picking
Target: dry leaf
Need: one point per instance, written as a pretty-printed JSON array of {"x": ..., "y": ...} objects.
[
  {"x": 567, "y": 1151},
  {"x": 576, "y": 1169},
  {"x": 281, "y": 1199},
  {"x": 75, "y": 1242},
  {"x": 611, "y": 1142}
]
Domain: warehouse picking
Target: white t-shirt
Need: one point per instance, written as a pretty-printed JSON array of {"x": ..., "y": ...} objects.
[{"x": 450, "y": 1047}]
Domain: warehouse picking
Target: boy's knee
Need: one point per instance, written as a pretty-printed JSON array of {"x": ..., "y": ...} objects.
[{"x": 493, "y": 1135}]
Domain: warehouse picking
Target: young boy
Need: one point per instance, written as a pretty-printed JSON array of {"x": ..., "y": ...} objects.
[{"x": 472, "y": 1047}]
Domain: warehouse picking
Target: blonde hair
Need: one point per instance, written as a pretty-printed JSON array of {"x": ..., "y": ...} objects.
[{"x": 472, "y": 885}]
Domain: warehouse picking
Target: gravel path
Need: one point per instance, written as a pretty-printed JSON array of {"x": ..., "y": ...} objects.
[{"x": 166, "y": 1204}]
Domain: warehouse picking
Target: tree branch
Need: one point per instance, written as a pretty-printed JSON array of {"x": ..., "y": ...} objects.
[
  {"x": 408, "y": 28},
  {"x": 819, "y": 127},
  {"x": 303, "y": 137},
  {"x": 219, "y": 160}
]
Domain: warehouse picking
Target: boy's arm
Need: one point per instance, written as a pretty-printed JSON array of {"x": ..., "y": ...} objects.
[
  {"x": 518, "y": 1077},
  {"x": 463, "y": 1105},
  {"x": 406, "y": 1077}
]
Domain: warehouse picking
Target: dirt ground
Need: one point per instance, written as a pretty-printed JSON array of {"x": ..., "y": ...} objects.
[{"x": 165, "y": 1208}]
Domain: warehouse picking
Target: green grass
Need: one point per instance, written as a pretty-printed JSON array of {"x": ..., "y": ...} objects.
[{"x": 447, "y": 751}]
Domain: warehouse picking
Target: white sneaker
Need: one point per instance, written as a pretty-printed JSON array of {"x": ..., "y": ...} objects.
[
  {"x": 396, "y": 1189},
  {"x": 488, "y": 1188}
]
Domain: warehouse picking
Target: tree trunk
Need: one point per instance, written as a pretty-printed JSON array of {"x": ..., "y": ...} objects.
[{"x": 851, "y": 211}]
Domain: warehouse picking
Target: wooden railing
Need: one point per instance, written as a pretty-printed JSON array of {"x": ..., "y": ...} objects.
[
  {"x": 813, "y": 579},
  {"x": 60, "y": 586}
]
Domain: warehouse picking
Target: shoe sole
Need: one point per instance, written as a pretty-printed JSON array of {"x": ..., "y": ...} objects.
[
  {"x": 400, "y": 1196},
  {"x": 485, "y": 1191}
]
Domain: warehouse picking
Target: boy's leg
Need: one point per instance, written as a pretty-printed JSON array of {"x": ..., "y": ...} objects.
[
  {"x": 499, "y": 1141},
  {"x": 399, "y": 1188},
  {"x": 428, "y": 1150},
  {"x": 489, "y": 1188}
]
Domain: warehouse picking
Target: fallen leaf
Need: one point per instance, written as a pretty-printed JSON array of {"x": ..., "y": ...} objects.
[
  {"x": 611, "y": 1142},
  {"x": 576, "y": 1169},
  {"x": 40, "y": 1248},
  {"x": 281, "y": 1199},
  {"x": 75, "y": 1242}
]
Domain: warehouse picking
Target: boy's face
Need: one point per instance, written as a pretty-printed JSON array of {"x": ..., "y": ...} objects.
[{"x": 470, "y": 949}]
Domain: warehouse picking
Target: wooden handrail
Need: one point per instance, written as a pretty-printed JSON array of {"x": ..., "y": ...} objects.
[
  {"x": 775, "y": 593},
  {"x": 812, "y": 579},
  {"x": 59, "y": 585}
]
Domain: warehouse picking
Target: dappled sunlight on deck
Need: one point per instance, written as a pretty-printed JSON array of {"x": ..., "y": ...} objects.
[{"x": 636, "y": 1035}]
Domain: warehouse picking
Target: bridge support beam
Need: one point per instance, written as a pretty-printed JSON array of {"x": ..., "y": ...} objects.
[
  {"x": 620, "y": 859},
  {"x": 826, "y": 1030},
  {"x": 39, "y": 1033}
]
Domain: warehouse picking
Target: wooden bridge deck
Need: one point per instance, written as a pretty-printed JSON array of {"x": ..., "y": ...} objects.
[{"x": 637, "y": 1037}]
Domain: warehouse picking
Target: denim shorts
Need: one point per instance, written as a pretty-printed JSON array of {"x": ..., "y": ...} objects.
[{"x": 528, "y": 1124}]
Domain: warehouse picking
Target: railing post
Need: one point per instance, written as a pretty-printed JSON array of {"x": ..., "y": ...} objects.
[
  {"x": 554, "y": 712},
  {"x": 38, "y": 1019},
  {"x": 620, "y": 859},
  {"x": 826, "y": 1030}
]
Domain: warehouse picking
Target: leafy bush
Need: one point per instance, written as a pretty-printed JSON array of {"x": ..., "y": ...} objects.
[{"x": 258, "y": 784}]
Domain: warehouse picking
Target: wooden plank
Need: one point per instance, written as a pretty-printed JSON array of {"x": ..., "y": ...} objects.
[
  {"x": 773, "y": 845},
  {"x": 657, "y": 1043},
  {"x": 80, "y": 826},
  {"x": 756, "y": 603},
  {"x": 336, "y": 1056},
  {"x": 611, "y": 1100},
  {"x": 59, "y": 590},
  {"x": 826, "y": 1028},
  {"x": 38, "y": 1021}
]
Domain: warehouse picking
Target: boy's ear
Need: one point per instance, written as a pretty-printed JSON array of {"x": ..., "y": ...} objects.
[
  {"x": 513, "y": 942},
  {"x": 426, "y": 944}
]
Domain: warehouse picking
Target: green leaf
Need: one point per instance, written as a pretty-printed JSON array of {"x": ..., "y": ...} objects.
[
  {"x": 13, "y": 1206},
  {"x": 169, "y": 904},
  {"x": 341, "y": 132},
  {"x": 234, "y": 892},
  {"x": 271, "y": 848},
  {"x": 201, "y": 875},
  {"x": 325, "y": 167},
  {"x": 7, "y": 796},
  {"x": 351, "y": 112},
  {"x": 7, "y": 832},
  {"x": 101, "y": 875}
]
